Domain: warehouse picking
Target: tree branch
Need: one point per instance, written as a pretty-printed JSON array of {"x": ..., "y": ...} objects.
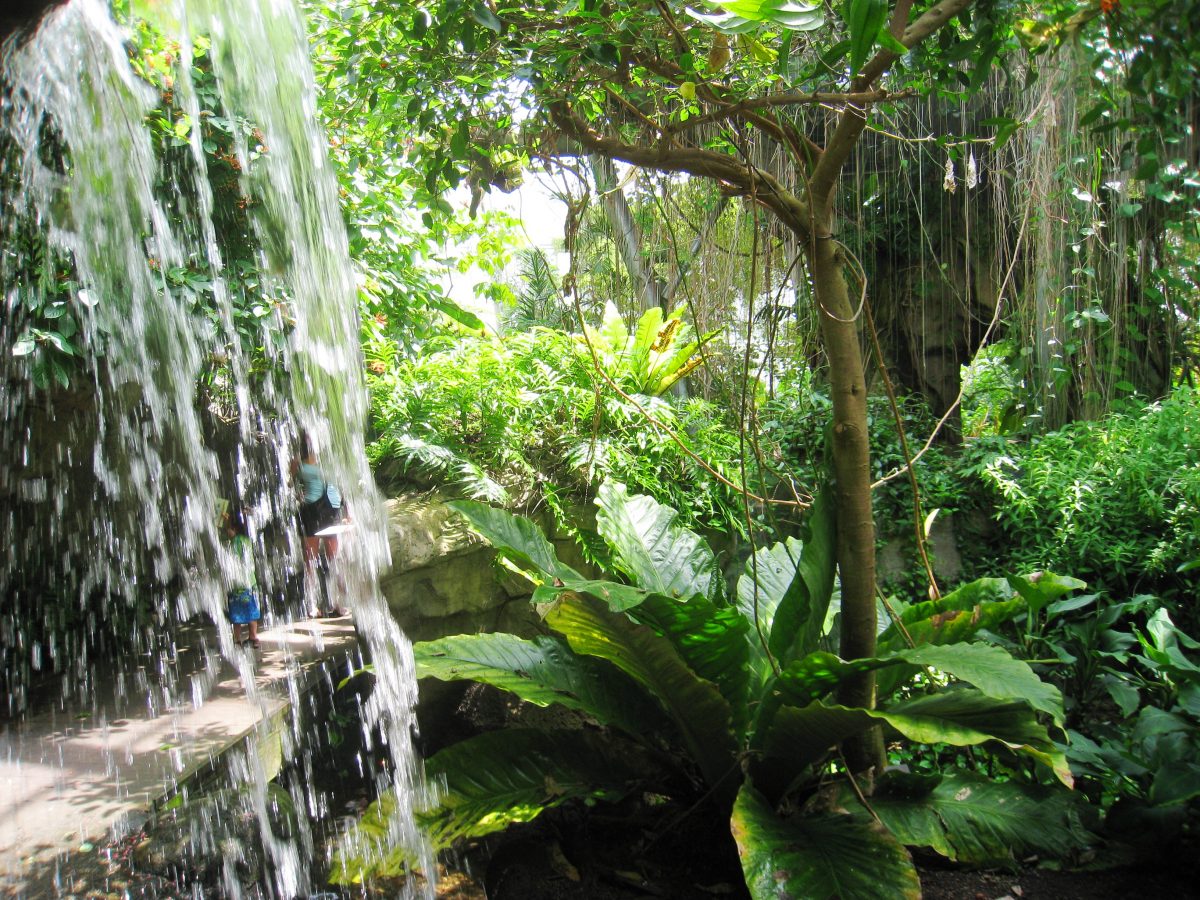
[
  {"x": 853, "y": 119},
  {"x": 793, "y": 99},
  {"x": 768, "y": 190}
]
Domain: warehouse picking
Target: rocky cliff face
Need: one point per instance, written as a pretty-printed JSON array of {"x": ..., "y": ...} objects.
[
  {"x": 20, "y": 14},
  {"x": 443, "y": 578}
]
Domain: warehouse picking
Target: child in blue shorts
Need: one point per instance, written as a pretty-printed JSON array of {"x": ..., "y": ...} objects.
[{"x": 242, "y": 607}]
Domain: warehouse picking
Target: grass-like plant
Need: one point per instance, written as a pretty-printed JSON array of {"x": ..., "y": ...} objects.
[{"x": 1116, "y": 501}]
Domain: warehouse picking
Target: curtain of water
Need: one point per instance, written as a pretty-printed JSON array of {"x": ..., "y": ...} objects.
[{"x": 112, "y": 486}]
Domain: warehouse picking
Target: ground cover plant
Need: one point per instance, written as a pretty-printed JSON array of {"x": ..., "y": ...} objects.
[
  {"x": 725, "y": 697},
  {"x": 1116, "y": 501},
  {"x": 1131, "y": 689}
]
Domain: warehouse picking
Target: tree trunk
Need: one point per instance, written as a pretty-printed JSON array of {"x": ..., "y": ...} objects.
[
  {"x": 852, "y": 488},
  {"x": 628, "y": 237}
]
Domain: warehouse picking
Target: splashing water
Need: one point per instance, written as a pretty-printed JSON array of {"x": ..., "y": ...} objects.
[{"x": 125, "y": 352}]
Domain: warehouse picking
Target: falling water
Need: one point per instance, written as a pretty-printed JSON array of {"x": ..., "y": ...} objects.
[{"x": 111, "y": 476}]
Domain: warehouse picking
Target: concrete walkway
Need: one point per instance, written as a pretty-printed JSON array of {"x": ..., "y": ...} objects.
[{"x": 74, "y": 774}]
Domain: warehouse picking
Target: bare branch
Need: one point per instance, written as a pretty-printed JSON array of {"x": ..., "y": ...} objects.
[
  {"x": 741, "y": 107},
  {"x": 731, "y": 172}
]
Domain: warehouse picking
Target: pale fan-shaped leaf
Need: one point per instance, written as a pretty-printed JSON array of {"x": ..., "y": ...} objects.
[
  {"x": 541, "y": 671},
  {"x": 818, "y": 856},
  {"x": 766, "y": 579},
  {"x": 651, "y": 549},
  {"x": 800, "y": 615},
  {"x": 516, "y": 537}
]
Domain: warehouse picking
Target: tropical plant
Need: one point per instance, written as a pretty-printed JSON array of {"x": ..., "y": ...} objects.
[
  {"x": 536, "y": 298},
  {"x": 1131, "y": 688},
  {"x": 651, "y": 359},
  {"x": 503, "y": 419},
  {"x": 1144, "y": 763},
  {"x": 728, "y": 696},
  {"x": 1116, "y": 501},
  {"x": 735, "y": 96}
]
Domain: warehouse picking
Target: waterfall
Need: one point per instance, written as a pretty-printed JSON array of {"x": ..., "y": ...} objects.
[{"x": 148, "y": 305}]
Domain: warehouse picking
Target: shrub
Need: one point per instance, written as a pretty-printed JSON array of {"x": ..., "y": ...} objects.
[
  {"x": 1116, "y": 501},
  {"x": 724, "y": 699},
  {"x": 511, "y": 419}
]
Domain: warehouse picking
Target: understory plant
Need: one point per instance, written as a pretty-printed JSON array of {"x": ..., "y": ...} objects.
[
  {"x": 1131, "y": 683},
  {"x": 724, "y": 698},
  {"x": 504, "y": 418},
  {"x": 1115, "y": 501}
]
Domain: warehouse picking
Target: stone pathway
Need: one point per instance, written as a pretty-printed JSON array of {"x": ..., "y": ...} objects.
[{"x": 72, "y": 775}]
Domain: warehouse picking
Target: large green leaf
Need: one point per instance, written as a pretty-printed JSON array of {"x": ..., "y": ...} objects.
[
  {"x": 990, "y": 669},
  {"x": 456, "y": 312},
  {"x": 1041, "y": 589},
  {"x": 983, "y": 603},
  {"x": 794, "y": 15},
  {"x": 495, "y": 780},
  {"x": 767, "y": 577},
  {"x": 651, "y": 549},
  {"x": 967, "y": 818},
  {"x": 808, "y": 679},
  {"x": 699, "y": 712},
  {"x": 711, "y": 640},
  {"x": 965, "y": 716},
  {"x": 962, "y": 717},
  {"x": 994, "y": 671},
  {"x": 864, "y": 19},
  {"x": 800, "y": 616},
  {"x": 613, "y": 594},
  {"x": 819, "y": 856},
  {"x": 523, "y": 541},
  {"x": 542, "y": 671},
  {"x": 516, "y": 537},
  {"x": 802, "y": 682},
  {"x": 637, "y": 354},
  {"x": 501, "y": 777}
]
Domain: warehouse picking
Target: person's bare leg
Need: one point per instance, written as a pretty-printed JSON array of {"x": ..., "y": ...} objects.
[
  {"x": 312, "y": 591},
  {"x": 338, "y": 590}
]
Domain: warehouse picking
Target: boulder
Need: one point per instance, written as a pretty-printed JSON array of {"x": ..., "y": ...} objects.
[{"x": 443, "y": 578}]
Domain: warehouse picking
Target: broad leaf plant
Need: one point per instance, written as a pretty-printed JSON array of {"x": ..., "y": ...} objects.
[{"x": 691, "y": 690}]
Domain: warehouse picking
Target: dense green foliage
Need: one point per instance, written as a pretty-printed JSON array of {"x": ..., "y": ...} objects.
[
  {"x": 1116, "y": 501},
  {"x": 49, "y": 305},
  {"x": 526, "y": 417},
  {"x": 727, "y": 696}
]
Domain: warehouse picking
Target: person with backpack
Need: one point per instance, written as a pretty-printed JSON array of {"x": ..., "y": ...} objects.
[
  {"x": 322, "y": 507},
  {"x": 242, "y": 598}
]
